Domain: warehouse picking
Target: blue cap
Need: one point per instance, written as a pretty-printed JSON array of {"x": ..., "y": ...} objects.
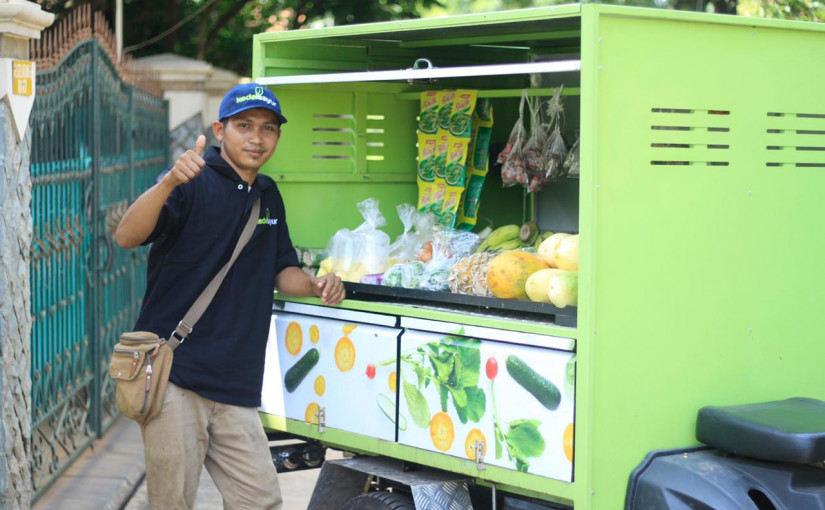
[{"x": 247, "y": 96}]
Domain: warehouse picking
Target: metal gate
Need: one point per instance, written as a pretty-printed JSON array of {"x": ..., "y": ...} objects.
[{"x": 99, "y": 138}]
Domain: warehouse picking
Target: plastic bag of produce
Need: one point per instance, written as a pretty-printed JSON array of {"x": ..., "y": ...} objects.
[
  {"x": 448, "y": 246},
  {"x": 406, "y": 246},
  {"x": 374, "y": 243},
  {"x": 571, "y": 164},
  {"x": 406, "y": 275},
  {"x": 555, "y": 155},
  {"x": 533, "y": 148},
  {"x": 424, "y": 226},
  {"x": 516, "y": 134},
  {"x": 555, "y": 151},
  {"x": 365, "y": 250},
  {"x": 342, "y": 253}
]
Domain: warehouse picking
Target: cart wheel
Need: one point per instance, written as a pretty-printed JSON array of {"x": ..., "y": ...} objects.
[{"x": 380, "y": 500}]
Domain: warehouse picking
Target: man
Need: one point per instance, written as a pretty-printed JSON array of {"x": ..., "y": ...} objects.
[{"x": 193, "y": 217}]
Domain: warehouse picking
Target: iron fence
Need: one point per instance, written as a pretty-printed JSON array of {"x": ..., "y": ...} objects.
[{"x": 99, "y": 138}]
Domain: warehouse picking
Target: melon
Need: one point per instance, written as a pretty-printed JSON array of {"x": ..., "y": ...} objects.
[
  {"x": 547, "y": 248},
  {"x": 507, "y": 273},
  {"x": 567, "y": 254},
  {"x": 563, "y": 289},
  {"x": 538, "y": 285}
]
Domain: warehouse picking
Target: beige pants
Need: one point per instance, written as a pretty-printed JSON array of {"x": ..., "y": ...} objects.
[{"x": 192, "y": 432}]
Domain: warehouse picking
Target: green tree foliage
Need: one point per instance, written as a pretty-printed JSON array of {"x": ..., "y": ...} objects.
[{"x": 220, "y": 31}]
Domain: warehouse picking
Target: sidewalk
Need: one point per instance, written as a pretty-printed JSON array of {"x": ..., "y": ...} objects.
[
  {"x": 104, "y": 477},
  {"x": 110, "y": 476}
]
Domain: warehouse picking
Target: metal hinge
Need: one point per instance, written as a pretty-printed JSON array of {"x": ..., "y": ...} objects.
[
  {"x": 479, "y": 450},
  {"x": 322, "y": 418}
]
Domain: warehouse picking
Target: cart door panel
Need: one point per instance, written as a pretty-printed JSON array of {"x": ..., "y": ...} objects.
[
  {"x": 456, "y": 390},
  {"x": 339, "y": 382}
]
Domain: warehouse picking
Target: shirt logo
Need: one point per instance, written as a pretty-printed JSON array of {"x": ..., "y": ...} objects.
[{"x": 266, "y": 220}]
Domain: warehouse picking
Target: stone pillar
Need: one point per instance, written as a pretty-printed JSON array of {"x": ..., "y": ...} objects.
[{"x": 20, "y": 21}]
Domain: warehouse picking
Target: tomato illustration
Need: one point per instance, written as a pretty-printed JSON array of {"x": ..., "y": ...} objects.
[{"x": 492, "y": 368}]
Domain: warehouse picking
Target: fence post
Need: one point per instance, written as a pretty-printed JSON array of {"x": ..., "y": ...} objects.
[{"x": 19, "y": 23}]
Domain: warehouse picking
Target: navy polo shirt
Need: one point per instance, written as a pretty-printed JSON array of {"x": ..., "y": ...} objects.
[{"x": 223, "y": 358}]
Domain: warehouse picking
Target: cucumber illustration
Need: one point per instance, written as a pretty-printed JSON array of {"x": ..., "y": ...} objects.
[
  {"x": 387, "y": 406},
  {"x": 300, "y": 369},
  {"x": 545, "y": 391}
]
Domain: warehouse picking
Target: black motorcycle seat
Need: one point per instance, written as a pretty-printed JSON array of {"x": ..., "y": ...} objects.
[{"x": 791, "y": 430}]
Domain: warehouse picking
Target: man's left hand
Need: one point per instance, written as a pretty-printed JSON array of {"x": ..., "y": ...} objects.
[{"x": 329, "y": 288}]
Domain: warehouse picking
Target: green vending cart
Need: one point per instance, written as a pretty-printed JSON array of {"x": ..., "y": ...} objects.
[{"x": 687, "y": 374}]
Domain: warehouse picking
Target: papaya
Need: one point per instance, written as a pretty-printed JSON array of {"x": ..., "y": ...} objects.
[{"x": 507, "y": 273}]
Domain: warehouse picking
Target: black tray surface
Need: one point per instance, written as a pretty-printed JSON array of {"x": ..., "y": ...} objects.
[{"x": 366, "y": 292}]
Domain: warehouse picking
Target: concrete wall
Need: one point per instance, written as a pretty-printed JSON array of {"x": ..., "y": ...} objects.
[
  {"x": 22, "y": 22},
  {"x": 15, "y": 321}
]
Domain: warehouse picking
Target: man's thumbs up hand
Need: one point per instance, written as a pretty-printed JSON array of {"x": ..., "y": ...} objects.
[
  {"x": 200, "y": 144},
  {"x": 189, "y": 164}
]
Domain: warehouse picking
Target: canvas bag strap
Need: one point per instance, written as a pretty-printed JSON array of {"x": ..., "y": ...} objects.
[{"x": 186, "y": 325}]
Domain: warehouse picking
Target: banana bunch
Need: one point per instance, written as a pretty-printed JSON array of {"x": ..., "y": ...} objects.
[
  {"x": 513, "y": 237},
  {"x": 500, "y": 238}
]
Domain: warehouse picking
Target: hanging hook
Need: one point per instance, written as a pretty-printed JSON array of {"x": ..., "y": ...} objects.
[{"x": 422, "y": 63}]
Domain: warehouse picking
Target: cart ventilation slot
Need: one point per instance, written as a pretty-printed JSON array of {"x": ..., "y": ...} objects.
[
  {"x": 375, "y": 137},
  {"x": 795, "y": 140},
  {"x": 333, "y": 136},
  {"x": 683, "y": 136}
]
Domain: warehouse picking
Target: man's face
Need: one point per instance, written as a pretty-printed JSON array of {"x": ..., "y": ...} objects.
[{"x": 248, "y": 139}]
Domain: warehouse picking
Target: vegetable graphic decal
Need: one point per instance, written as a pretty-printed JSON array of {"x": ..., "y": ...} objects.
[
  {"x": 393, "y": 381},
  {"x": 320, "y": 385},
  {"x": 314, "y": 334},
  {"x": 470, "y": 443},
  {"x": 419, "y": 409},
  {"x": 492, "y": 368},
  {"x": 522, "y": 438},
  {"x": 567, "y": 441},
  {"x": 441, "y": 431},
  {"x": 300, "y": 369},
  {"x": 293, "y": 338},
  {"x": 544, "y": 390},
  {"x": 452, "y": 365},
  {"x": 344, "y": 354},
  {"x": 311, "y": 414},
  {"x": 387, "y": 407}
]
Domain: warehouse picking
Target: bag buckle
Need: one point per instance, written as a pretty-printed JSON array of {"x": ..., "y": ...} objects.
[{"x": 182, "y": 332}]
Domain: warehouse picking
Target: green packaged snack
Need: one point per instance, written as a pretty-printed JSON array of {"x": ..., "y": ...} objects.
[
  {"x": 428, "y": 118},
  {"x": 477, "y": 165},
  {"x": 461, "y": 116}
]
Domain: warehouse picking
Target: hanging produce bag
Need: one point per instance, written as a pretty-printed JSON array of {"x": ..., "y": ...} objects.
[{"x": 513, "y": 170}]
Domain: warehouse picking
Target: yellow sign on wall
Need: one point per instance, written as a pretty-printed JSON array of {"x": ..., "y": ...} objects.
[{"x": 22, "y": 78}]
